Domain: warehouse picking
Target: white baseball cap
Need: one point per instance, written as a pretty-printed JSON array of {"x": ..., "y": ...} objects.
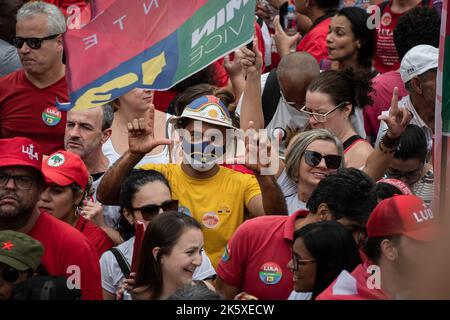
[{"x": 418, "y": 60}]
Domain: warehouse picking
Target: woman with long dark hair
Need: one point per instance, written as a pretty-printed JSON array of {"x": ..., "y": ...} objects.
[
  {"x": 144, "y": 194},
  {"x": 321, "y": 251},
  {"x": 171, "y": 251}
]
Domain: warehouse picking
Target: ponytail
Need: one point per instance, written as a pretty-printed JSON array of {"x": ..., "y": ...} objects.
[{"x": 345, "y": 86}]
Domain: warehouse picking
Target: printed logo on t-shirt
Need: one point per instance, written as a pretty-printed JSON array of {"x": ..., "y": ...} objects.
[
  {"x": 56, "y": 160},
  {"x": 386, "y": 19},
  {"x": 226, "y": 253},
  {"x": 224, "y": 209},
  {"x": 210, "y": 220},
  {"x": 185, "y": 210},
  {"x": 51, "y": 116},
  {"x": 270, "y": 273}
]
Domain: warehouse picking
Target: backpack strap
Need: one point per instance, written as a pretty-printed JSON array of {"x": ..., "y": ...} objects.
[
  {"x": 270, "y": 97},
  {"x": 123, "y": 263}
]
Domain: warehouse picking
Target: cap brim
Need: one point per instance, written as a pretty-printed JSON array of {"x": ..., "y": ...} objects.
[
  {"x": 174, "y": 120},
  {"x": 17, "y": 162},
  {"x": 16, "y": 264},
  {"x": 57, "y": 178},
  {"x": 424, "y": 235}
]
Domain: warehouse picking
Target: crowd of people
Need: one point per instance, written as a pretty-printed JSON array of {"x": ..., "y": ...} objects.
[{"x": 269, "y": 174}]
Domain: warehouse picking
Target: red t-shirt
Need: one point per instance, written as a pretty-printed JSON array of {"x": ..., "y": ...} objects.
[
  {"x": 27, "y": 111},
  {"x": 315, "y": 41},
  {"x": 256, "y": 257},
  {"x": 383, "y": 86},
  {"x": 386, "y": 56},
  {"x": 65, "y": 249},
  {"x": 97, "y": 236}
]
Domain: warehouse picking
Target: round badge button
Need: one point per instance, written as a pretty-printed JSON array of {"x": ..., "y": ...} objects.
[
  {"x": 51, "y": 116},
  {"x": 210, "y": 220},
  {"x": 270, "y": 273},
  {"x": 56, "y": 160}
]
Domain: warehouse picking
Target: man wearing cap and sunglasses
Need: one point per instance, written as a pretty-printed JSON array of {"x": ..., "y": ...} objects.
[
  {"x": 20, "y": 256},
  {"x": 399, "y": 232},
  {"x": 215, "y": 196},
  {"x": 28, "y": 96},
  {"x": 418, "y": 70},
  {"x": 67, "y": 252}
]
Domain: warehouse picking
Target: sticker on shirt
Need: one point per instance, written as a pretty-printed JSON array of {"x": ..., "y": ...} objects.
[
  {"x": 56, "y": 160},
  {"x": 386, "y": 19},
  {"x": 210, "y": 220},
  {"x": 226, "y": 253},
  {"x": 185, "y": 210},
  {"x": 270, "y": 273},
  {"x": 51, "y": 116}
]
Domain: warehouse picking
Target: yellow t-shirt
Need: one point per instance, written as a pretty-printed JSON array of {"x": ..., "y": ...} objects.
[{"x": 217, "y": 203}]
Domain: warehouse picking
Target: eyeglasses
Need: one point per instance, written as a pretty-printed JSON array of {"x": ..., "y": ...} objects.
[
  {"x": 151, "y": 210},
  {"x": 21, "y": 182},
  {"x": 322, "y": 117},
  {"x": 33, "y": 43},
  {"x": 313, "y": 158},
  {"x": 296, "y": 261},
  {"x": 296, "y": 105},
  {"x": 9, "y": 274},
  {"x": 410, "y": 176}
]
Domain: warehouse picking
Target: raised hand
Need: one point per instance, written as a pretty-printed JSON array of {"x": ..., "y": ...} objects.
[
  {"x": 251, "y": 60},
  {"x": 141, "y": 135},
  {"x": 397, "y": 119},
  {"x": 283, "y": 42},
  {"x": 233, "y": 67},
  {"x": 93, "y": 211},
  {"x": 260, "y": 155}
]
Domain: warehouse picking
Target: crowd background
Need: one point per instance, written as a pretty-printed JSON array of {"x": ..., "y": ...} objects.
[{"x": 143, "y": 198}]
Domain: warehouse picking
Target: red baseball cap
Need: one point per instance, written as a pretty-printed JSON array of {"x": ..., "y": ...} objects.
[
  {"x": 400, "y": 185},
  {"x": 402, "y": 215},
  {"x": 64, "y": 167},
  {"x": 20, "y": 151}
]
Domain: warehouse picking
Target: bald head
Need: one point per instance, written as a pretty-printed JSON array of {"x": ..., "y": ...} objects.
[{"x": 295, "y": 72}]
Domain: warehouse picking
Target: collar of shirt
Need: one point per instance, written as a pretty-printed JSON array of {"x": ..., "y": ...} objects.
[{"x": 290, "y": 223}]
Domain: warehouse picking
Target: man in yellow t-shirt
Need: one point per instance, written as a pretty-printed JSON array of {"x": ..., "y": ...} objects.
[{"x": 215, "y": 196}]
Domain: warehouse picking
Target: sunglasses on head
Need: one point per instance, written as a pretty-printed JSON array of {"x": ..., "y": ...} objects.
[
  {"x": 313, "y": 158},
  {"x": 151, "y": 210},
  {"x": 33, "y": 43}
]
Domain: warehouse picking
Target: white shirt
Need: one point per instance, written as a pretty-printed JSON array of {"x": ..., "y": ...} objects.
[
  {"x": 111, "y": 213},
  {"x": 113, "y": 156},
  {"x": 287, "y": 116},
  {"x": 300, "y": 295},
  {"x": 112, "y": 274},
  {"x": 405, "y": 102},
  {"x": 289, "y": 189}
]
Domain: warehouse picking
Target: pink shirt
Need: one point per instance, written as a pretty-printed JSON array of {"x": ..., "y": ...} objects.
[{"x": 383, "y": 86}]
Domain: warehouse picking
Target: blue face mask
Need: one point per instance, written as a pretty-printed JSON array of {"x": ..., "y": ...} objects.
[{"x": 201, "y": 156}]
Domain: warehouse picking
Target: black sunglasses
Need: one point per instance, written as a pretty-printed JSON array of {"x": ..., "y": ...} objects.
[
  {"x": 33, "y": 43},
  {"x": 313, "y": 158},
  {"x": 9, "y": 274},
  {"x": 151, "y": 210}
]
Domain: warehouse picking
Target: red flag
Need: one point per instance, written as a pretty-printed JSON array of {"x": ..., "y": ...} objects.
[{"x": 139, "y": 228}]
